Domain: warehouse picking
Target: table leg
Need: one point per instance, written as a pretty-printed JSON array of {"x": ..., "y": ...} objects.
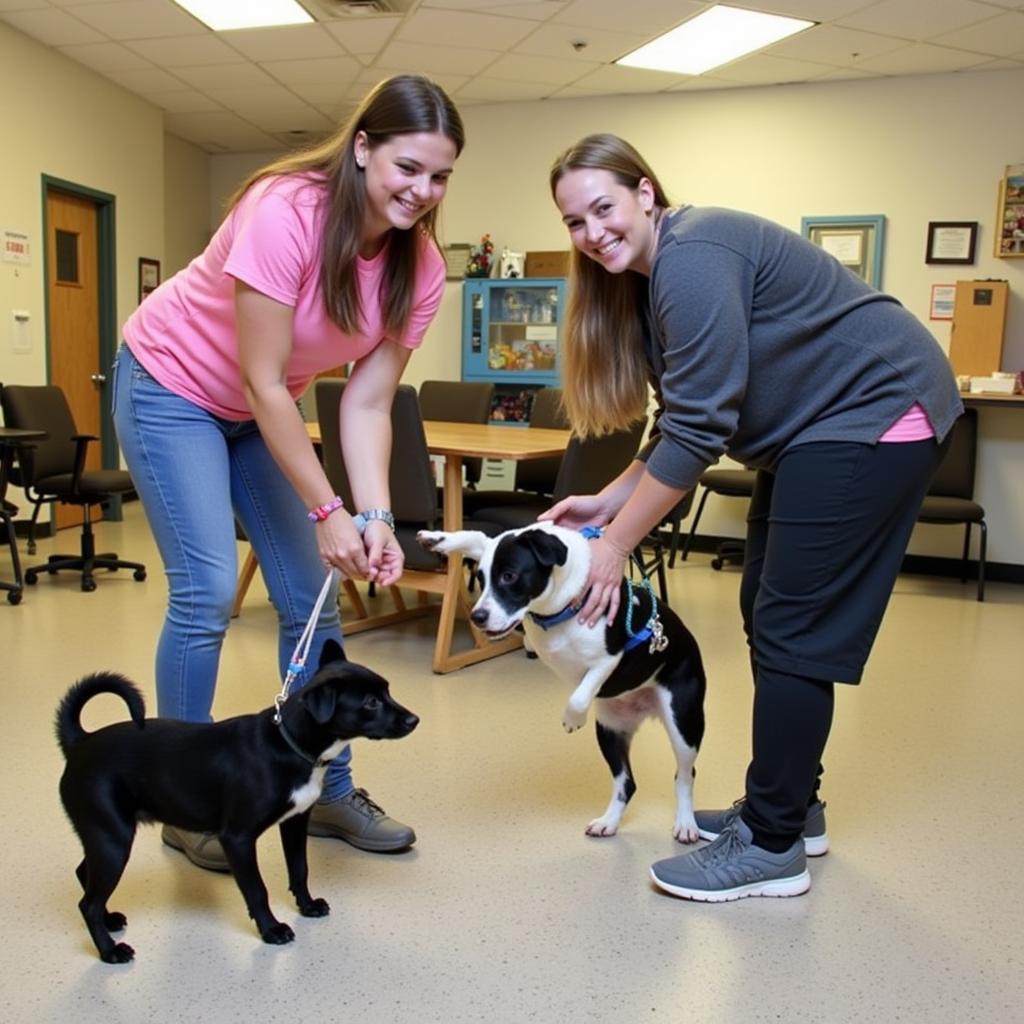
[{"x": 444, "y": 659}]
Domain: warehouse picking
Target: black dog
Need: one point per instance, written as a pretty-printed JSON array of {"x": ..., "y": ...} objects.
[
  {"x": 236, "y": 778},
  {"x": 645, "y": 663}
]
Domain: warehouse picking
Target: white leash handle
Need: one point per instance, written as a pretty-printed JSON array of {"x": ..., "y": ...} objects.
[{"x": 301, "y": 652}]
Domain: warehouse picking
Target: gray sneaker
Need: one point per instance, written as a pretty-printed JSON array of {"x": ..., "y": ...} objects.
[
  {"x": 710, "y": 824},
  {"x": 202, "y": 848},
  {"x": 732, "y": 868},
  {"x": 360, "y": 821}
]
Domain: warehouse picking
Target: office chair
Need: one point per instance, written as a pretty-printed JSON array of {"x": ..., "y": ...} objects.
[
  {"x": 533, "y": 477},
  {"x": 54, "y": 470},
  {"x": 413, "y": 501},
  {"x": 459, "y": 401},
  {"x": 950, "y": 498},
  {"x": 732, "y": 483}
]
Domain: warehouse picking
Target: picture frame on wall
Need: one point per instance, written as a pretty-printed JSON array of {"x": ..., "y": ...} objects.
[
  {"x": 951, "y": 241},
  {"x": 942, "y": 302},
  {"x": 855, "y": 241},
  {"x": 149, "y": 276},
  {"x": 1010, "y": 214}
]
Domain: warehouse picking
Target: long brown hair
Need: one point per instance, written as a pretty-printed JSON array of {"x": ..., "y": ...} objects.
[
  {"x": 604, "y": 371},
  {"x": 401, "y": 105}
]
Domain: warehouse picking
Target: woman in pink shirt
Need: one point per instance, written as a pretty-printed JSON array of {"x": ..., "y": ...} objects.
[{"x": 325, "y": 257}]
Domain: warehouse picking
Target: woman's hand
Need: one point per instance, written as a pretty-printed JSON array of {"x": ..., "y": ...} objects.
[
  {"x": 577, "y": 511},
  {"x": 607, "y": 567},
  {"x": 341, "y": 547},
  {"x": 383, "y": 553}
]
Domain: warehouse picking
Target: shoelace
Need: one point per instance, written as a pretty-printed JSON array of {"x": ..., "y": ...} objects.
[
  {"x": 370, "y": 804},
  {"x": 728, "y": 844}
]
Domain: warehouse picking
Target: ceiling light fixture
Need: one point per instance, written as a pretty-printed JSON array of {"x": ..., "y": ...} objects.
[
  {"x": 713, "y": 38},
  {"x": 223, "y": 15}
]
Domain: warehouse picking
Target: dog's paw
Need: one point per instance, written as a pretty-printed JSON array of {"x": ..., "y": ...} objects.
[
  {"x": 114, "y": 921},
  {"x": 572, "y": 719},
  {"x": 119, "y": 953},
  {"x": 431, "y": 540},
  {"x": 278, "y": 934},
  {"x": 315, "y": 908},
  {"x": 685, "y": 831},
  {"x": 602, "y": 828}
]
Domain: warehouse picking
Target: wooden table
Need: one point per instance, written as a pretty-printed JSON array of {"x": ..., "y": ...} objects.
[{"x": 458, "y": 441}]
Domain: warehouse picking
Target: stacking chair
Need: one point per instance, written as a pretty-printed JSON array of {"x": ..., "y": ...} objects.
[
  {"x": 54, "y": 470},
  {"x": 413, "y": 502},
  {"x": 459, "y": 401},
  {"x": 732, "y": 483},
  {"x": 950, "y": 498}
]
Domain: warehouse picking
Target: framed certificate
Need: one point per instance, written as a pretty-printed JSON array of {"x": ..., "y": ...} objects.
[{"x": 856, "y": 242}]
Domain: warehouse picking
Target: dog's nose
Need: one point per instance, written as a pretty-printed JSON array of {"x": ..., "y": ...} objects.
[
  {"x": 410, "y": 722},
  {"x": 478, "y": 616}
]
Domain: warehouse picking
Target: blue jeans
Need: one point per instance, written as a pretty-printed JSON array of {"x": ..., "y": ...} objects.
[{"x": 194, "y": 473}]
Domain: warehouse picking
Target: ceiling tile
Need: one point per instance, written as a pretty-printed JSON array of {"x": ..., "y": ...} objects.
[
  {"x": 55, "y": 28},
  {"x": 254, "y": 97},
  {"x": 1001, "y": 37},
  {"x": 363, "y": 35},
  {"x": 827, "y": 44},
  {"x": 765, "y": 69},
  {"x": 917, "y": 19},
  {"x": 224, "y": 76},
  {"x": 614, "y": 78},
  {"x": 482, "y": 30},
  {"x": 643, "y": 16},
  {"x": 339, "y": 71},
  {"x": 922, "y": 58},
  {"x": 555, "y": 40},
  {"x": 139, "y": 19},
  {"x": 186, "y": 51},
  {"x": 285, "y": 42},
  {"x": 184, "y": 101},
  {"x": 524, "y": 68},
  {"x": 430, "y": 60},
  {"x": 146, "y": 80},
  {"x": 105, "y": 56},
  {"x": 540, "y": 10},
  {"x": 490, "y": 90}
]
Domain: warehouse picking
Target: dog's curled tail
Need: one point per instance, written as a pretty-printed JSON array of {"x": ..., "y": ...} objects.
[{"x": 69, "y": 724}]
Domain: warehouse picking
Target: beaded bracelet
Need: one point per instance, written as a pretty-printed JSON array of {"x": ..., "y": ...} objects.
[{"x": 321, "y": 512}]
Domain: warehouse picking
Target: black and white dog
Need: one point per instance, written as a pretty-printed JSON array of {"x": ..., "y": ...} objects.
[
  {"x": 645, "y": 663},
  {"x": 236, "y": 778}
]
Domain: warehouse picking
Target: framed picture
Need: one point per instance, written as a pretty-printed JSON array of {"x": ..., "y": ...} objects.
[
  {"x": 943, "y": 300},
  {"x": 149, "y": 276},
  {"x": 456, "y": 256},
  {"x": 951, "y": 241},
  {"x": 857, "y": 242},
  {"x": 1010, "y": 213}
]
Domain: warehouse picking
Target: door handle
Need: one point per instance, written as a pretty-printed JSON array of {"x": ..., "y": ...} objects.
[{"x": 99, "y": 378}]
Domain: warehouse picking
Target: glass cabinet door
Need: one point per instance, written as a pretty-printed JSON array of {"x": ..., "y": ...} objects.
[{"x": 522, "y": 329}]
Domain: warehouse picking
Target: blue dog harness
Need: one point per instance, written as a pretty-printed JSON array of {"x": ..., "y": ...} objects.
[{"x": 652, "y": 631}]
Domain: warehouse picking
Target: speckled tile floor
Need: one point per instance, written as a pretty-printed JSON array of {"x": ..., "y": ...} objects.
[{"x": 504, "y": 911}]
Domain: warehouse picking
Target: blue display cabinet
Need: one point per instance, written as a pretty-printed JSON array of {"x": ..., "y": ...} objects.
[{"x": 511, "y": 335}]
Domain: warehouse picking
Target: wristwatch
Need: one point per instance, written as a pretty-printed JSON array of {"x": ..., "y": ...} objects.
[{"x": 363, "y": 519}]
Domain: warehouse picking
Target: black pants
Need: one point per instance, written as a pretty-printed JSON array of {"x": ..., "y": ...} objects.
[{"x": 826, "y": 535}]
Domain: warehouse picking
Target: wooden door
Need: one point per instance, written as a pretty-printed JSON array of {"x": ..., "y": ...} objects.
[{"x": 72, "y": 281}]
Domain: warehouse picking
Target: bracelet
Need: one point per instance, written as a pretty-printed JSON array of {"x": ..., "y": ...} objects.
[
  {"x": 363, "y": 519},
  {"x": 321, "y": 512}
]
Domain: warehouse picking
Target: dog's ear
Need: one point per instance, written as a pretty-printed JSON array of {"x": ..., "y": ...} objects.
[
  {"x": 319, "y": 701},
  {"x": 331, "y": 651},
  {"x": 546, "y": 547}
]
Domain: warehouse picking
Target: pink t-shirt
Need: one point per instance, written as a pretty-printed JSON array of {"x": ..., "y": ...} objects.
[
  {"x": 913, "y": 425},
  {"x": 184, "y": 332}
]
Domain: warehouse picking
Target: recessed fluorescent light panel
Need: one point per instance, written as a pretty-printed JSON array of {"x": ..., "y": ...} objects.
[
  {"x": 221, "y": 15},
  {"x": 716, "y": 37}
]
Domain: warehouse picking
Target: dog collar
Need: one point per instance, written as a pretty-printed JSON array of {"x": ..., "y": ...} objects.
[{"x": 316, "y": 762}]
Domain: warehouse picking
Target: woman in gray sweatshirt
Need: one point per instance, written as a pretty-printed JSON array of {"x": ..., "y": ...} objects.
[{"x": 760, "y": 345}]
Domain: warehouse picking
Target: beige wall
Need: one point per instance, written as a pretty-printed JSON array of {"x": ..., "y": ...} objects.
[
  {"x": 915, "y": 149},
  {"x": 186, "y": 202},
  {"x": 63, "y": 120}
]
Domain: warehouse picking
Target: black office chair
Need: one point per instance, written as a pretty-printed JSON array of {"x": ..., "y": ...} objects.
[
  {"x": 54, "y": 470},
  {"x": 732, "y": 483},
  {"x": 459, "y": 401},
  {"x": 950, "y": 499},
  {"x": 533, "y": 477},
  {"x": 413, "y": 501}
]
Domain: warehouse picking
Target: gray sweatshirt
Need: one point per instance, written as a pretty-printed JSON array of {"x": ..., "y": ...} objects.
[{"x": 758, "y": 341}]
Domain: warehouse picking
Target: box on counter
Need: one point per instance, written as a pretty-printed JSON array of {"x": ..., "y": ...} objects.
[
  {"x": 997, "y": 384},
  {"x": 547, "y": 264}
]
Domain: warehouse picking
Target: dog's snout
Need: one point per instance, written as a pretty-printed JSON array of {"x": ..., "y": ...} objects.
[
  {"x": 410, "y": 721},
  {"x": 479, "y": 616}
]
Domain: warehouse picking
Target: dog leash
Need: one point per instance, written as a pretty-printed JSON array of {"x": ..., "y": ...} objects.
[{"x": 297, "y": 662}]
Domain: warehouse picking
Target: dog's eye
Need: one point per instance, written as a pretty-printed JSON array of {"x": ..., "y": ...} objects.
[
  {"x": 372, "y": 704},
  {"x": 508, "y": 576}
]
